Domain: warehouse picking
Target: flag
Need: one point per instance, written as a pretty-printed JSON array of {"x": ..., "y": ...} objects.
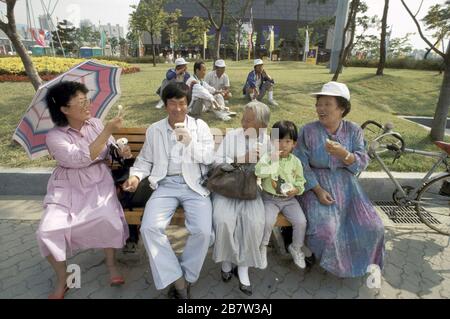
[
  {"x": 205, "y": 40},
  {"x": 103, "y": 40},
  {"x": 38, "y": 36},
  {"x": 306, "y": 44},
  {"x": 271, "y": 39}
]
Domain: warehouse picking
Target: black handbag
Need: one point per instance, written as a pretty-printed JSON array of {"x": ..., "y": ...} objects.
[
  {"x": 120, "y": 174},
  {"x": 233, "y": 181}
]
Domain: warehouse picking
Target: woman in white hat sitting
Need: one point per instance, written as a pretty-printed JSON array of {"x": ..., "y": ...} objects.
[
  {"x": 258, "y": 83},
  {"x": 344, "y": 231}
]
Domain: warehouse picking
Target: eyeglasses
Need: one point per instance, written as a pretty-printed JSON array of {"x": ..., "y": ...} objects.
[{"x": 84, "y": 103}]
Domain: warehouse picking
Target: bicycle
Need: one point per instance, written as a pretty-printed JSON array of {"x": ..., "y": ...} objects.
[{"x": 431, "y": 196}]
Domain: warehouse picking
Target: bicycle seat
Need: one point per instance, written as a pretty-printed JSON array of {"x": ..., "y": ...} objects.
[{"x": 443, "y": 146}]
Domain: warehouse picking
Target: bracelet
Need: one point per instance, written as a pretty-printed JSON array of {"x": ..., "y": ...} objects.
[{"x": 347, "y": 157}]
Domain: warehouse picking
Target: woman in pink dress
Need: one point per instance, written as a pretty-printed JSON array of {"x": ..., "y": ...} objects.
[{"x": 81, "y": 206}]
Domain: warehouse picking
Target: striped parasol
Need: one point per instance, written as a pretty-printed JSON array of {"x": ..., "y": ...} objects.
[{"x": 104, "y": 90}]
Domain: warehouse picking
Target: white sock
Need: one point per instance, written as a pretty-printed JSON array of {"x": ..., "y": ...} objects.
[
  {"x": 243, "y": 275},
  {"x": 226, "y": 266},
  {"x": 270, "y": 95}
]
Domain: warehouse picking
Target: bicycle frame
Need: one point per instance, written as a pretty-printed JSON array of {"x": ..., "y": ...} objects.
[{"x": 412, "y": 194}]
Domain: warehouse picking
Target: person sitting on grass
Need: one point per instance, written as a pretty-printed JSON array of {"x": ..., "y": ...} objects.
[
  {"x": 179, "y": 75},
  {"x": 282, "y": 179},
  {"x": 206, "y": 98},
  {"x": 258, "y": 83},
  {"x": 219, "y": 80}
]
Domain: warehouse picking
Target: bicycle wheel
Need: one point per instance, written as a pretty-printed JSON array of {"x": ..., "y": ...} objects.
[{"x": 433, "y": 204}]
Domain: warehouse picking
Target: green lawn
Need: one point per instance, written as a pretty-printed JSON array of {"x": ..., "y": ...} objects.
[{"x": 403, "y": 92}]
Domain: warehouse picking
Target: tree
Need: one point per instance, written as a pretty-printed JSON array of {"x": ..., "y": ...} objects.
[
  {"x": 67, "y": 34},
  {"x": 435, "y": 20},
  {"x": 9, "y": 28},
  {"x": 441, "y": 112},
  {"x": 238, "y": 18},
  {"x": 355, "y": 7},
  {"x": 382, "y": 62},
  {"x": 149, "y": 16},
  {"x": 114, "y": 43},
  {"x": 123, "y": 46},
  {"x": 216, "y": 12},
  {"x": 196, "y": 29}
]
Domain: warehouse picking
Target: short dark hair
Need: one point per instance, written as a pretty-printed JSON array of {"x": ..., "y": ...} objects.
[
  {"x": 286, "y": 129},
  {"x": 176, "y": 90},
  {"x": 198, "y": 65},
  {"x": 59, "y": 95},
  {"x": 342, "y": 103}
]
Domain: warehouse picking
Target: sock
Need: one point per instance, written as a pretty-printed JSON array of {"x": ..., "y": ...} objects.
[
  {"x": 243, "y": 275},
  {"x": 270, "y": 95},
  {"x": 226, "y": 266}
]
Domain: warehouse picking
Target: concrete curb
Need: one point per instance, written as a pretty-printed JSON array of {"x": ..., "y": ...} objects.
[{"x": 33, "y": 181}]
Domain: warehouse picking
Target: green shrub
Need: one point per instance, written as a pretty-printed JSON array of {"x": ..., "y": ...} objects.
[{"x": 400, "y": 63}]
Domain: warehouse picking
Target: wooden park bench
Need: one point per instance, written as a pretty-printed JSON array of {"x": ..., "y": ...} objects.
[{"x": 136, "y": 138}]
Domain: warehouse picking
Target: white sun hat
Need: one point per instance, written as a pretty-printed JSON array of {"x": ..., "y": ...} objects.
[
  {"x": 220, "y": 63},
  {"x": 258, "y": 62},
  {"x": 334, "y": 89},
  {"x": 180, "y": 61}
]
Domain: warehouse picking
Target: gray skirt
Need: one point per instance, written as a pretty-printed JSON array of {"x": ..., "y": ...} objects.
[{"x": 239, "y": 229}]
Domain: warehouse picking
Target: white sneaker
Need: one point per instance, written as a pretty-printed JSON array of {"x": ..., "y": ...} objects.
[
  {"x": 226, "y": 118},
  {"x": 263, "y": 251},
  {"x": 298, "y": 256},
  {"x": 160, "y": 104},
  {"x": 273, "y": 102}
]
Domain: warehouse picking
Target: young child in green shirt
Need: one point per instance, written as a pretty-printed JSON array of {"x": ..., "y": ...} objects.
[{"x": 282, "y": 179}]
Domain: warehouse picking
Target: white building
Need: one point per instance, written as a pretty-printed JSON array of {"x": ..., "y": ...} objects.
[{"x": 112, "y": 30}]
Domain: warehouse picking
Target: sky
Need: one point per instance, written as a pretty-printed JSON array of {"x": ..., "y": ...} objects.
[{"x": 117, "y": 12}]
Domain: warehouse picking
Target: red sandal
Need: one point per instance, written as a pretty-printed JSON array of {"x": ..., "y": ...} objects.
[{"x": 117, "y": 281}]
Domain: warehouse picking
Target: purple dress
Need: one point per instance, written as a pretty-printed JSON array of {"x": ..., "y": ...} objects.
[
  {"x": 347, "y": 236},
  {"x": 81, "y": 206}
]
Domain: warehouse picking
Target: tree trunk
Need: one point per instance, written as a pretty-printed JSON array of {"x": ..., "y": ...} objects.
[
  {"x": 382, "y": 62},
  {"x": 217, "y": 44},
  {"x": 31, "y": 71},
  {"x": 351, "y": 23},
  {"x": 153, "y": 50},
  {"x": 441, "y": 113}
]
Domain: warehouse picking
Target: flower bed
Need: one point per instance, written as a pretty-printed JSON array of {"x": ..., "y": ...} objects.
[{"x": 12, "y": 70}]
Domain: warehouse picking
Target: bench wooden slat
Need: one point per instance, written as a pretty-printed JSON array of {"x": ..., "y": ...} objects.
[{"x": 136, "y": 138}]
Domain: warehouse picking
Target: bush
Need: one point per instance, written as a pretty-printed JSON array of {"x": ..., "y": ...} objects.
[
  {"x": 400, "y": 63},
  {"x": 52, "y": 65},
  {"x": 135, "y": 60}
]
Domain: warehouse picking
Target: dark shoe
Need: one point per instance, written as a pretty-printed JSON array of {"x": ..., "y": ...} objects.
[
  {"x": 311, "y": 260},
  {"x": 174, "y": 293},
  {"x": 226, "y": 275},
  {"x": 244, "y": 288}
]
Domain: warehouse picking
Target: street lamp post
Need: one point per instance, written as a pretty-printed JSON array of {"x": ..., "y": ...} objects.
[{"x": 341, "y": 19}]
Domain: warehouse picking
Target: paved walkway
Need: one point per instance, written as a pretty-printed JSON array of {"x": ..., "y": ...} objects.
[{"x": 417, "y": 266}]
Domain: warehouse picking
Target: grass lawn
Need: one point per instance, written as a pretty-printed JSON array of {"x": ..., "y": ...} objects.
[{"x": 404, "y": 92}]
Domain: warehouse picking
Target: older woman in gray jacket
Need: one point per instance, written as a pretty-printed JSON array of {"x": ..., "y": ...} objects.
[{"x": 239, "y": 224}]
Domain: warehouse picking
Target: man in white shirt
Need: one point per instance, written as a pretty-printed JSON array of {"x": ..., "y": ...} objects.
[
  {"x": 174, "y": 158},
  {"x": 219, "y": 80},
  {"x": 204, "y": 97}
]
